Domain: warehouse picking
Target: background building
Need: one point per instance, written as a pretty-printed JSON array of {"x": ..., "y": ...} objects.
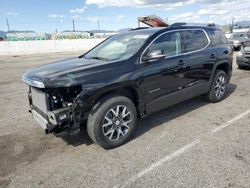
[
  {"x": 72, "y": 35},
  {"x": 26, "y": 36}
]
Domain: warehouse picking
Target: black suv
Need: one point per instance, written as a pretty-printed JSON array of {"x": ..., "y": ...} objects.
[{"x": 129, "y": 75}]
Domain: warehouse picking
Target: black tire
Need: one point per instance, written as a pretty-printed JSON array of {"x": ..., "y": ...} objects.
[
  {"x": 241, "y": 67},
  {"x": 237, "y": 48},
  {"x": 213, "y": 94},
  {"x": 102, "y": 112}
]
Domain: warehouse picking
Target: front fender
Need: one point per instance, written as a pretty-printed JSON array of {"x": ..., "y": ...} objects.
[{"x": 90, "y": 95}]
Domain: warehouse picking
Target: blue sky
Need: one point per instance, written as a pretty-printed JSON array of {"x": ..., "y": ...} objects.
[{"x": 49, "y": 15}]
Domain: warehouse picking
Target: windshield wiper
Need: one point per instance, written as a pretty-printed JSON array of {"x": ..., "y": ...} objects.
[{"x": 99, "y": 58}]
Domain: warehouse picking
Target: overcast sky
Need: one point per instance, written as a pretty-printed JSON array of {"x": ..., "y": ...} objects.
[{"x": 49, "y": 15}]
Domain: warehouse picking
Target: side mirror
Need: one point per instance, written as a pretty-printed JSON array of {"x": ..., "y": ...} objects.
[{"x": 153, "y": 56}]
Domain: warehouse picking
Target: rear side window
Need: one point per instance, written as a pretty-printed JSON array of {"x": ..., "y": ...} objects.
[
  {"x": 218, "y": 38},
  {"x": 193, "y": 40}
]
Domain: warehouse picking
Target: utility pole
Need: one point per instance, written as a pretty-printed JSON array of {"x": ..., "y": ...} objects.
[
  {"x": 225, "y": 25},
  {"x": 8, "y": 25},
  {"x": 74, "y": 26},
  {"x": 98, "y": 25},
  {"x": 232, "y": 25}
]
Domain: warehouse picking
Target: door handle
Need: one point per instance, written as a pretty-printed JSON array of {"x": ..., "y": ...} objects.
[
  {"x": 181, "y": 62},
  {"x": 226, "y": 52},
  {"x": 212, "y": 56}
]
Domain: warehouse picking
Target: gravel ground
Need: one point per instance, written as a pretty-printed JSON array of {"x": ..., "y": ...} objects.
[{"x": 193, "y": 144}]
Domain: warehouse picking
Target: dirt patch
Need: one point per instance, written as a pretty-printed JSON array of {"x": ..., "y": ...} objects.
[
  {"x": 16, "y": 151},
  {"x": 241, "y": 157},
  {"x": 4, "y": 182}
]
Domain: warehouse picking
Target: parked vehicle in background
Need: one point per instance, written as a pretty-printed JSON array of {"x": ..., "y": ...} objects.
[
  {"x": 237, "y": 40},
  {"x": 2, "y": 35},
  {"x": 130, "y": 75},
  {"x": 243, "y": 56},
  {"x": 228, "y": 35}
]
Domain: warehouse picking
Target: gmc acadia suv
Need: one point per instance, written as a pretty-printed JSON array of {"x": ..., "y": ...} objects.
[{"x": 127, "y": 76}]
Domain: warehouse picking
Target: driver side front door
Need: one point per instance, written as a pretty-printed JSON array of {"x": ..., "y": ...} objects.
[{"x": 163, "y": 78}]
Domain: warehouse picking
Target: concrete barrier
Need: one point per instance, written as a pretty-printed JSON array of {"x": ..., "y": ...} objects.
[{"x": 46, "y": 46}]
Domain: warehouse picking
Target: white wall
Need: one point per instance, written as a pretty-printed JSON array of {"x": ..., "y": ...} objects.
[
  {"x": 241, "y": 30},
  {"x": 46, "y": 46}
]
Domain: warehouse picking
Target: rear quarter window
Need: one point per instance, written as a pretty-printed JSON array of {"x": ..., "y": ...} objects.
[
  {"x": 218, "y": 38},
  {"x": 193, "y": 40}
]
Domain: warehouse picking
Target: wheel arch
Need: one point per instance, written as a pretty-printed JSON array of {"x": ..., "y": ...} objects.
[
  {"x": 131, "y": 91},
  {"x": 224, "y": 66}
]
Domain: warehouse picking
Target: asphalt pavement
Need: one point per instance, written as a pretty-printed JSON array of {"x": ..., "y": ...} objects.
[{"x": 192, "y": 144}]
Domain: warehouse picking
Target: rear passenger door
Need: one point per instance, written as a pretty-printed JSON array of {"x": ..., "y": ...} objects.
[{"x": 199, "y": 57}]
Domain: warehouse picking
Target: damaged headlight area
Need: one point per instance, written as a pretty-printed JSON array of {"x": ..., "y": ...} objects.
[{"x": 55, "y": 109}]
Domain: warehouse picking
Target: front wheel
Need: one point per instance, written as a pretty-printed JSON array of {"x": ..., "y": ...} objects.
[
  {"x": 218, "y": 87},
  {"x": 112, "y": 121}
]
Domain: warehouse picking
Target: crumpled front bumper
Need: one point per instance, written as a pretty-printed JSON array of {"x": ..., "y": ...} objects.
[
  {"x": 54, "y": 121},
  {"x": 63, "y": 119}
]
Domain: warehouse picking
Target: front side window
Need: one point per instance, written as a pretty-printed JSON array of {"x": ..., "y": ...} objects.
[
  {"x": 168, "y": 44},
  {"x": 193, "y": 40},
  {"x": 119, "y": 47}
]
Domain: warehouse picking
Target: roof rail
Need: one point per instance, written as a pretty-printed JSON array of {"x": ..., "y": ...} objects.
[
  {"x": 138, "y": 28},
  {"x": 210, "y": 24},
  {"x": 178, "y": 24}
]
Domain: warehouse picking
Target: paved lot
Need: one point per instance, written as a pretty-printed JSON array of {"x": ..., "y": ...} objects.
[{"x": 193, "y": 144}]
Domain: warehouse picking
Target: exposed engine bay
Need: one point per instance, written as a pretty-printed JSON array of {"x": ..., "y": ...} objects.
[{"x": 54, "y": 109}]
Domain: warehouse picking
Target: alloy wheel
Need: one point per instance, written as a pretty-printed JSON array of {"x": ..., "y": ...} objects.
[
  {"x": 116, "y": 123},
  {"x": 220, "y": 86}
]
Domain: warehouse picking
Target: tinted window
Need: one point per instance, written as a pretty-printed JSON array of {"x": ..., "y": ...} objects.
[
  {"x": 193, "y": 40},
  {"x": 218, "y": 38},
  {"x": 168, "y": 43}
]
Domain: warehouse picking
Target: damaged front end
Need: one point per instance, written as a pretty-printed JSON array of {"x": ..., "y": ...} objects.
[{"x": 56, "y": 109}]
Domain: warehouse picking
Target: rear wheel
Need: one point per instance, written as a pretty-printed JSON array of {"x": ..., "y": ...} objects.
[
  {"x": 218, "y": 88},
  {"x": 241, "y": 67},
  {"x": 112, "y": 121}
]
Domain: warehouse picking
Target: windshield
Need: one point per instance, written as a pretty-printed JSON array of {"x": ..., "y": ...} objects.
[
  {"x": 238, "y": 35},
  {"x": 118, "y": 47}
]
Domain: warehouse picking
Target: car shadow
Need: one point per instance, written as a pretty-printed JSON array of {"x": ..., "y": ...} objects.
[
  {"x": 178, "y": 110},
  {"x": 78, "y": 139},
  {"x": 147, "y": 123},
  {"x": 244, "y": 68}
]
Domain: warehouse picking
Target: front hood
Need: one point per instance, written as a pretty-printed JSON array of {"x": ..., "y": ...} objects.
[
  {"x": 247, "y": 49},
  {"x": 67, "y": 72}
]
